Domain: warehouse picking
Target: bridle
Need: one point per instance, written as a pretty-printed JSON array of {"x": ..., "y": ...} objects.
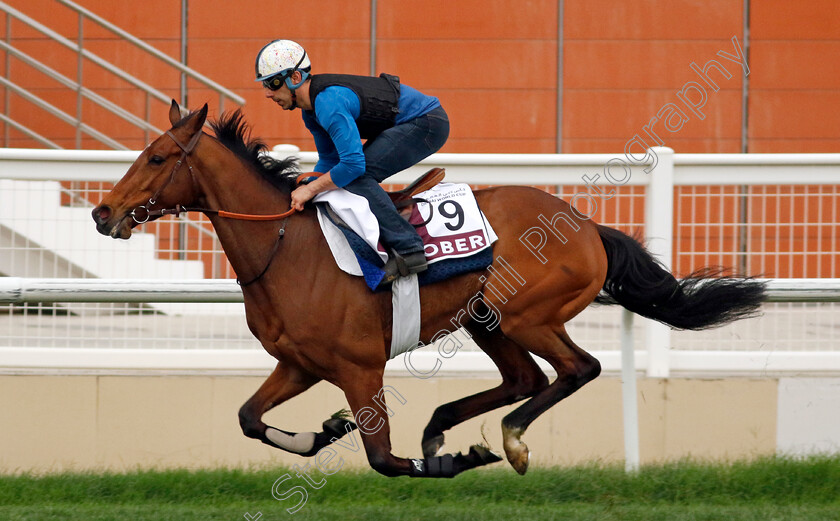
[{"x": 186, "y": 150}]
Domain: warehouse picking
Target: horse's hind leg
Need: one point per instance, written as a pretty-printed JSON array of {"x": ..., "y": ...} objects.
[
  {"x": 521, "y": 378},
  {"x": 574, "y": 366},
  {"x": 286, "y": 382},
  {"x": 366, "y": 396}
]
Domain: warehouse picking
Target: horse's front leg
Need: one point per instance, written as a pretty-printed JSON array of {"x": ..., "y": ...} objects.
[
  {"x": 285, "y": 382},
  {"x": 367, "y": 397}
]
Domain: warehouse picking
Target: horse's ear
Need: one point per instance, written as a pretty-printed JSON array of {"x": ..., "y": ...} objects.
[
  {"x": 174, "y": 113},
  {"x": 197, "y": 121}
]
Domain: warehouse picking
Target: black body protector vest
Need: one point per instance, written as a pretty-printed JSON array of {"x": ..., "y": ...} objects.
[{"x": 379, "y": 98}]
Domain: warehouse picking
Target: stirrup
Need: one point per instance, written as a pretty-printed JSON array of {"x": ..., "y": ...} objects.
[
  {"x": 401, "y": 266},
  {"x": 410, "y": 263}
]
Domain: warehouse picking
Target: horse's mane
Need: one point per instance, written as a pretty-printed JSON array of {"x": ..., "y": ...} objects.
[{"x": 234, "y": 133}]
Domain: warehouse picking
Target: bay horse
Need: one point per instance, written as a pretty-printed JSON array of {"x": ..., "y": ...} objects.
[{"x": 322, "y": 324}]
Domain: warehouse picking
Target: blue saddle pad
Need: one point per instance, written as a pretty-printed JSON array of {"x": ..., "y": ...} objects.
[{"x": 371, "y": 263}]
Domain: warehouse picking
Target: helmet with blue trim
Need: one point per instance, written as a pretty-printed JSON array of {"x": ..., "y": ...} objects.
[{"x": 278, "y": 60}]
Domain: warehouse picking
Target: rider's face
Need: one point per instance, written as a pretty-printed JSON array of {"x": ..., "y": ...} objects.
[{"x": 281, "y": 96}]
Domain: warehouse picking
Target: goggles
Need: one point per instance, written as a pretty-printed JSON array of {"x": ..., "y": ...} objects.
[{"x": 275, "y": 82}]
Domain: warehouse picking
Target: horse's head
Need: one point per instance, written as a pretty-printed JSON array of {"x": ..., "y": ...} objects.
[{"x": 161, "y": 178}]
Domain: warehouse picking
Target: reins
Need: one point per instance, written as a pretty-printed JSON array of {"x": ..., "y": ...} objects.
[
  {"x": 178, "y": 210},
  {"x": 280, "y": 234}
]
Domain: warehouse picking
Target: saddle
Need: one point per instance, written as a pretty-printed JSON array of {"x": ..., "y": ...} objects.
[{"x": 403, "y": 199}]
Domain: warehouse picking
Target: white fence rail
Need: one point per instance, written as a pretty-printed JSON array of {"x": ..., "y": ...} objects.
[
  {"x": 492, "y": 169},
  {"x": 810, "y": 344},
  {"x": 17, "y": 290},
  {"x": 23, "y": 290}
]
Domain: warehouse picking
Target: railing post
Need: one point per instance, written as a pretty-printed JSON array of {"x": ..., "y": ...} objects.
[
  {"x": 184, "y": 13},
  {"x": 7, "y": 73},
  {"x": 215, "y": 260},
  {"x": 148, "y": 117},
  {"x": 628, "y": 394},
  {"x": 373, "y": 13},
  {"x": 659, "y": 234},
  {"x": 79, "y": 81}
]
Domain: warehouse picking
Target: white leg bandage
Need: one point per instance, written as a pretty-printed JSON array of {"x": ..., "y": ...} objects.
[{"x": 300, "y": 443}]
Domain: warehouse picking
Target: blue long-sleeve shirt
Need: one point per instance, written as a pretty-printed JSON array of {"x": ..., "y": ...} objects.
[{"x": 333, "y": 127}]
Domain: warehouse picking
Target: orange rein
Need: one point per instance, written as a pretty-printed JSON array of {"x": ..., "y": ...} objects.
[
  {"x": 249, "y": 217},
  {"x": 187, "y": 149},
  {"x": 301, "y": 177},
  {"x": 274, "y": 217}
]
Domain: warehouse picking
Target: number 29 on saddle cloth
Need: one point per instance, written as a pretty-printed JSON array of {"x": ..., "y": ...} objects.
[{"x": 456, "y": 227}]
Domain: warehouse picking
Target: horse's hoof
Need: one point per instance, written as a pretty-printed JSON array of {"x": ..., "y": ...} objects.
[
  {"x": 516, "y": 451},
  {"x": 520, "y": 460},
  {"x": 484, "y": 455},
  {"x": 432, "y": 446}
]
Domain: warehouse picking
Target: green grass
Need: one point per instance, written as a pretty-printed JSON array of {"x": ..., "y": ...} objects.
[{"x": 766, "y": 489}]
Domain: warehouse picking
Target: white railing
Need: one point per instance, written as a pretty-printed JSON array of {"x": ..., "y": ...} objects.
[
  {"x": 483, "y": 169},
  {"x": 564, "y": 172},
  {"x": 19, "y": 290},
  {"x": 660, "y": 357},
  {"x": 45, "y": 290}
]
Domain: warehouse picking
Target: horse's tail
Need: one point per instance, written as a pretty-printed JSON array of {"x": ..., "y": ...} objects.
[{"x": 702, "y": 300}]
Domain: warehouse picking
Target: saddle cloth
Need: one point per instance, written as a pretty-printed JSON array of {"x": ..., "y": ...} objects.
[
  {"x": 453, "y": 229},
  {"x": 456, "y": 236}
]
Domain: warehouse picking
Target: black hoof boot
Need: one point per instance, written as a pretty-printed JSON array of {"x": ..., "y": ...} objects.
[
  {"x": 448, "y": 465},
  {"x": 436, "y": 467},
  {"x": 338, "y": 427},
  {"x": 481, "y": 455}
]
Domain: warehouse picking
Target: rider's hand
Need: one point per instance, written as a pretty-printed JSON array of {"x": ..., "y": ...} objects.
[{"x": 300, "y": 195}]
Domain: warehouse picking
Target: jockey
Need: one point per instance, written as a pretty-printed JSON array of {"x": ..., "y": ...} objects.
[{"x": 401, "y": 125}]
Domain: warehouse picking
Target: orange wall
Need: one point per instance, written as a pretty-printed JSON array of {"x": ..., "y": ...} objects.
[
  {"x": 493, "y": 63},
  {"x": 795, "y": 88},
  {"x": 624, "y": 60}
]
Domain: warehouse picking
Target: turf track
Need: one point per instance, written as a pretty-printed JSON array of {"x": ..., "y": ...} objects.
[{"x": 766, "y": 490}]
